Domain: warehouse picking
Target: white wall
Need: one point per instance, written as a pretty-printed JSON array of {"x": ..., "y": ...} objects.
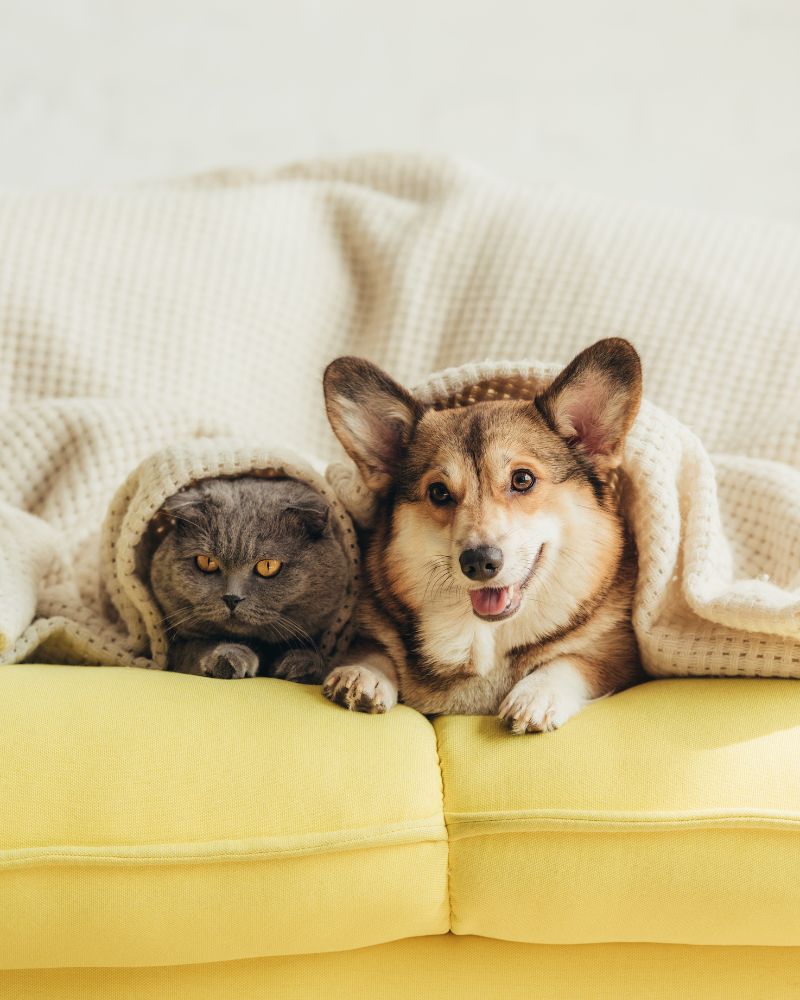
[{"x": 686, "y": 102}]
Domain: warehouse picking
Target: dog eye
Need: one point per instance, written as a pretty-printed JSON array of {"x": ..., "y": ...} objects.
[
  {"x": 522, "y": 480},
  {"x": 268, "y": 567},
  {"x": 208, "y": 564},
  {"x": 439, "y": 494}
]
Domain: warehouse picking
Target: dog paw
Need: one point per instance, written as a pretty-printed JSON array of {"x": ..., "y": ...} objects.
[
  {"x": 544, "y": 700},
  {"x": 229, "y": 661},
  {"x": 305, "y": 666},
  {"x": 360, "y": 689}
]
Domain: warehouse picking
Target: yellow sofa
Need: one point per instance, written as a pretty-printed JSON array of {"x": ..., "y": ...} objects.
[{"x": 166, "y": 836}]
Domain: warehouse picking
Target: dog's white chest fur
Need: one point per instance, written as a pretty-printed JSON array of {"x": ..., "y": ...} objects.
[
  {"x": 484, "y": 649},
  {"x": 455, "y": 638}
]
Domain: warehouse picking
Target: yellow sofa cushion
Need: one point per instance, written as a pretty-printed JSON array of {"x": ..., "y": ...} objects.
[
  {"x": 443, "y": 968},
  {"x": 669, "y": 813},
  {"x": 152, "y": 819}
]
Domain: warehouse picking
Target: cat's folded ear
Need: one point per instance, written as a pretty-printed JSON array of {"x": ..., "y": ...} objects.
[
  {"x": 182, "y": 508},
  {"x": 176, "y": 510},
  {"x": 372, "y": 416},
  {"x": 593, "y": 402},
  {"x": 186, "y": 500},
  {"x": 314, "y": 518}
]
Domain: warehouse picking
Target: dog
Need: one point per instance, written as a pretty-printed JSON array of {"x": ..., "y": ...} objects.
[{"x": 499, "y": 574}]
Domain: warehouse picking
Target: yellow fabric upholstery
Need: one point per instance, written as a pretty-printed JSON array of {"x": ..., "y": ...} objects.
[
  {"x": 444, "y": 968},
  {"x": 221, "y": 835},
  {"x": 152, "y": 818},
  {"x": 668, "y": 813}
]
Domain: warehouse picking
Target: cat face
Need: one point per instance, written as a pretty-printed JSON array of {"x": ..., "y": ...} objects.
[{"x": 251, "y": 558}]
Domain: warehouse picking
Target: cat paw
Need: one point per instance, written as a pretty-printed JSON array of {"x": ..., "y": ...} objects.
[
  {"x": 229, "y": 661},
  {"x": 305, "y": 666},
  {"x": 360, "y": 689},
  {"x": 544, "y": 700}
]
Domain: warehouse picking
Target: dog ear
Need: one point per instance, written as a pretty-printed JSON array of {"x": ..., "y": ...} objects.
[
  {"x": 371, "y": 415},
  {"x": 593, "y": 402}
]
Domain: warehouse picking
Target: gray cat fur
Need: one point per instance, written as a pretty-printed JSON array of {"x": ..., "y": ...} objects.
[{"x": 275, "y": 627}]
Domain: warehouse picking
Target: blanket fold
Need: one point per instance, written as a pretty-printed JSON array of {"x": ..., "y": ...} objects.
[
  {"x": 164, "y": 315},
  {"x": 705, "y": 530},
  {"x": 120, "y": 623}
]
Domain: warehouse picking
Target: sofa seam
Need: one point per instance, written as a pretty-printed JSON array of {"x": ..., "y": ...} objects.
[
  {"x": 530, "y": 823},
  {"x": 449, "y": 872},
  {"x": 116, "y": 854}
]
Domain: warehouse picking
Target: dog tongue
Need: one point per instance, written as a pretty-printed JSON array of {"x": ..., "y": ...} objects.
[{"x": 489, "y": 600}]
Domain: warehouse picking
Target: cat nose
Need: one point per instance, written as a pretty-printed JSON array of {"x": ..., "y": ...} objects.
[
  {"x": 482, "y": 563},
  {"x": 232, "y": 600}
]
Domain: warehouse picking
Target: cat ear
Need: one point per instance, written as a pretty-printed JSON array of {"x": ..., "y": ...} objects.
[
  {"x": 593, "y": 402},
  {"x": 314, "y": 519},
  {"x": 181, "y": 507},
  {"x": 185, "y": 500},
  {"x": 371, "y": 415}
]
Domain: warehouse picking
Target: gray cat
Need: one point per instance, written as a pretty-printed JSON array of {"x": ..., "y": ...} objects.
[{"x": 248, "y": 578}]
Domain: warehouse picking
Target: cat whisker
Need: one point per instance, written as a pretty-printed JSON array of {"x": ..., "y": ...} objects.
[
  {"x": 236, "y": 520},
  {"x": 189, "y": 619},
  {"x": 178, "y": 611},
  {"x": 185, "y": 520},
  {"x": 283, "y": 632},
  {"x": 296, "y": 631},
  {"x": 291, "y": 629},
  {"x": 188, "y": 615}
]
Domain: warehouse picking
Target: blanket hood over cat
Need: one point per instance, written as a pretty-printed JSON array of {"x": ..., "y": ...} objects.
[
  {"x": 132, "y": 531},
  {"x": 416, "y": 263},
  {"x": 121, "y": 624}
]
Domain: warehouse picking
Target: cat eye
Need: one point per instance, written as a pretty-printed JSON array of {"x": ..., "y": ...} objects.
[
  {"x": 522, "y": 480},
  {"x": 268, "y": 567},
  {"x": 438, "y": 494},
  {"x": 208, "y": 564}
]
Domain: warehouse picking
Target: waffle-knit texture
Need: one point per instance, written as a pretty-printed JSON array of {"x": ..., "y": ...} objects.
[
  {"x": 114, "y": 619},
  {"x": 132, "y": 319}
]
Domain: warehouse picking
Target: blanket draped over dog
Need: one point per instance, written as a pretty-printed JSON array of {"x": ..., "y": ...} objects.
[{"x": 172, "y": 313}]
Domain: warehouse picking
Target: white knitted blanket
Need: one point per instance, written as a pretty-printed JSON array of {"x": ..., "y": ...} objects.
[
  {"x": 130, "y": 319},
  {"x": 99, "y": 608}
]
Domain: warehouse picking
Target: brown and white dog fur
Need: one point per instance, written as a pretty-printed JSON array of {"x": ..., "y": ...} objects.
[{"x": 498, "y": 575}]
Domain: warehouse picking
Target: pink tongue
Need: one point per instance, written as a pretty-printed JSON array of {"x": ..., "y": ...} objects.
[{"x": 489, "y": 600}]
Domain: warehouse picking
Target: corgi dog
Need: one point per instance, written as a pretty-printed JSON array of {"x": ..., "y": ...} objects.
[{"x": 498, "y": 574}]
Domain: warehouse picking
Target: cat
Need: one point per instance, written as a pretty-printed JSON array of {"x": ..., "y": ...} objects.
[{"x": 248, "y": 579}]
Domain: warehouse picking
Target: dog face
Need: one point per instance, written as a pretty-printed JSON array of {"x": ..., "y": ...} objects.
[
  {"x": 476, "y": 502},
  {"x": 497, "y": 504}
]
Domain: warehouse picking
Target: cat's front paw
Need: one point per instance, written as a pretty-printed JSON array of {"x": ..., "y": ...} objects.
[
  {"x": 228, "y": 661},
  {"x": 304, "y": 666},
  {"x": 360, "y": 689},
  {"x": 545, "y": 699}
]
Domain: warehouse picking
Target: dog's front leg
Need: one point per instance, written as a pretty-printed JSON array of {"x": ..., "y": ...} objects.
[
  {"x": 366, "y": 683},
  {"x": 546, "y": 698}
]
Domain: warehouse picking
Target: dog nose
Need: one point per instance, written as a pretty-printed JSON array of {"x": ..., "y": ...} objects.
[
  {"x": 482, "y": 563},
  {"x": 232, "y": 600}
]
